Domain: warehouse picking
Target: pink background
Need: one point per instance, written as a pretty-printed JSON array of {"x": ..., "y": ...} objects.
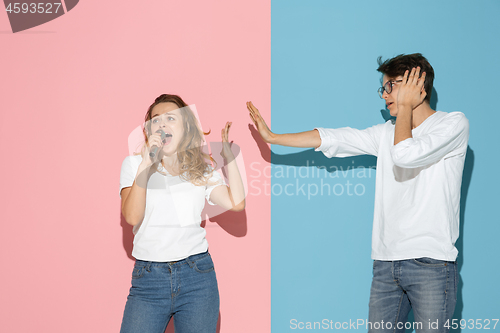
[{"x": 72, "y": 90}]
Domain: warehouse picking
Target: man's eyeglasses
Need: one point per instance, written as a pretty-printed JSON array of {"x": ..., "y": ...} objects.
[{"x": 387, "y": 87}]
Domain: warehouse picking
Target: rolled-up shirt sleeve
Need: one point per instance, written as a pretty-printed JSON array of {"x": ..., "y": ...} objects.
[
  {"x": 446, "y": 140},
  {"x": 213, "y": 182},
  {"x": 346, "y": 141},
  {"x": 127, "y": 173}
]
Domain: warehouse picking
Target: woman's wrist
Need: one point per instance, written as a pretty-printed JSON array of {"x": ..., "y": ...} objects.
[
  {"x": 145, "y": 165},
  {"x": 144, "y": 171}
]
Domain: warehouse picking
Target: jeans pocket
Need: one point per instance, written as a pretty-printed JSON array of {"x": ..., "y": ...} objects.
[
  {"x": 204, "y": 265},
  {"x": 429, "y": 262},
  {"x": 138, "y": 271}
]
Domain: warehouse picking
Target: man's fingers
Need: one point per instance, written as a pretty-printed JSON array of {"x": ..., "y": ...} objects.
[
  {"x": 405, "y": 77},
  {"x": 417, "y": 75},
  {"x": 256, "y": 116},
  {"x": 253, "y": 118},
  {"x": 422, "y": 80},
  {"x": 413, "y": 75},
  {"x": 252, "y": 108}
]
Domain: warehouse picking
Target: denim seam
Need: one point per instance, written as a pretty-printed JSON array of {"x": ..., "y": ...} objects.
[
  {"x": 399, "y": 309},
  {"x": 140, "y": 272},
  {"x": 447, "y": 282},
  {"x": 444, "y": 264},
  {"x": 396, "y": 280},
  {"x": 178, "y": 283},
  {"x": 162, "y": 264},
  {"x": 203, "y": 272},
  {"x": 447, "y": 294},
  {"x": 192, "y": 262}
]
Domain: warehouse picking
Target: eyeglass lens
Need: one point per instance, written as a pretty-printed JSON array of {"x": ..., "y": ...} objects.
[{"x": 386, "y": 87}]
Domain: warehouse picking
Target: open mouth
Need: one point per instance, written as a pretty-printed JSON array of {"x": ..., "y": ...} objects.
[
  {"x": 167, "y": 139},
  {"x": 389, "y": 104}
]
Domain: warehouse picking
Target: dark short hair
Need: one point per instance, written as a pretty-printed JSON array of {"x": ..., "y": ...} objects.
[{"x": 397, "y": 66}]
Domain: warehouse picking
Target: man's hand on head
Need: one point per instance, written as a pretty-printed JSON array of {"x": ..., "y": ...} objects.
[{"x": 411, "y": 91}]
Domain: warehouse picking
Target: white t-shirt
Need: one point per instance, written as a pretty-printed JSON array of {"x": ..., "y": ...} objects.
[
  {"x": 417, "y": 195},
  {"x": 170, "y": 230}
]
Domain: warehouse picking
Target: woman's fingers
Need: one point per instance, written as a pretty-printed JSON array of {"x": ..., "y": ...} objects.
[
  {"x": 155, "y": 140},
  {"x": 225, "y": 132}
]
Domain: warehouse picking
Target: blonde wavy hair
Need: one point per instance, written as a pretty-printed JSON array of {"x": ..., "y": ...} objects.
[{"x": 192, "y": 160}]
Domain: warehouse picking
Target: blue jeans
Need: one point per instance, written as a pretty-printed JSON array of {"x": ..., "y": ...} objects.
[
  {"x": 426, "y": 285},
  {"x": 186, "y": 290}
]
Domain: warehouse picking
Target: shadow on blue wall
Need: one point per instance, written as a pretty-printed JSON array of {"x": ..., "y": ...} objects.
[{"x": 466, "y": 179}]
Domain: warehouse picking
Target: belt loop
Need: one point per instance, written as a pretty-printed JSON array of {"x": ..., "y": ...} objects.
[
  {"x": 190, "y": 261},
  {"x": 148, "y": 266}
]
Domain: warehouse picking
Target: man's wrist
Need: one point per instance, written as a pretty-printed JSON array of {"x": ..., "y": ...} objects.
[
  {"x": 404, "y": 107},
  {"x": 272, "y": 138}
]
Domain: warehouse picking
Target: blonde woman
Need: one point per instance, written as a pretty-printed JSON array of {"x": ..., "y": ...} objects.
[{"x": 163, "y": 192}]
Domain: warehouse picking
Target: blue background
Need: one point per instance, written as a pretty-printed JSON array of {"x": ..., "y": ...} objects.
[{"x": 323, "y": 74}]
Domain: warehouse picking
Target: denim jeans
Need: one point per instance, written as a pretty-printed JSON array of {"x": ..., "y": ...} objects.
[
  {"x": 426, "y": 285},
  {"x": 186, "y": 290}
]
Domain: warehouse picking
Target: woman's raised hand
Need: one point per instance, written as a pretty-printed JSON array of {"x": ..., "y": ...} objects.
[
  {"x": 226, "y": 152},
  {"x": 261, "y": 125}
]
